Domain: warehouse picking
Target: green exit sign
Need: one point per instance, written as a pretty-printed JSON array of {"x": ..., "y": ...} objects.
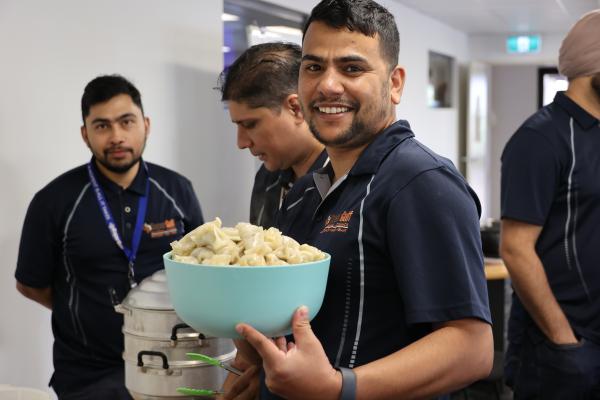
[{"x": 523, "y": 44}]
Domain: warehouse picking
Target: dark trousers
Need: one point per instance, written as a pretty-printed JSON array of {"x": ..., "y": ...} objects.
[
  {"x": 536, "y": 368},
  {"x": 110, "y": 387}
]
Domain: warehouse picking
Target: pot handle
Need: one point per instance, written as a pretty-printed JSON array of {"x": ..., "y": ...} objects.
[
  {"x": 182, "y": 326},
  {"x": 142, "y": 353},
  {"x": 176, "y": 328}
]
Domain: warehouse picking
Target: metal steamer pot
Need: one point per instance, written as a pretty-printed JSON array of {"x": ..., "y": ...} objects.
[{"x": 155, "y": 343}]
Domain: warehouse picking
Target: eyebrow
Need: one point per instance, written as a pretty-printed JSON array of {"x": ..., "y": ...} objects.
[
  {"x": 345, "y": 59},
  {"x": 120, "y": 117}
]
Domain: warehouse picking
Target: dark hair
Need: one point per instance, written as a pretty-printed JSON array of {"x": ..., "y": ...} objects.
[
  {"x": 263, "y": 75},
  {"x": 104, "y": 88},
  {"x": 365, "y": 16}
]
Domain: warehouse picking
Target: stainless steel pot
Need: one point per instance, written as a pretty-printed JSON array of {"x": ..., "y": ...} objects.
[
  {"x": 155, "y": 343},
  {"x": 176, "y": 349},
  {"x": 154, "y": 376},
  {"x": 147, "y": 311}
]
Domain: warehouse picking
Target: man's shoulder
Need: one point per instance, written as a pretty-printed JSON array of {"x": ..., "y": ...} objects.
[
  {"x": 264, "y": 175},
  {"x": 545, "y": 122},
  {"x": 62, "y": 191},
  {"x": 266, "y": 180},
  {"x": 545, "y": 130},
  {"x": 71, "y": 180},
  {"x": 166, "y": 175},
  {"x": 411, "y": 158},
  {"x": 303, "y": 184}
]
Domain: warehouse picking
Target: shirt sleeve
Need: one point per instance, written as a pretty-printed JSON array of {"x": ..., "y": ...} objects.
[
  {"x": 193, "y": 211},
  {"x": 435, "y": 246},
  {"x": 39, "y": 249},
  {"x": 530, "y": 177}
]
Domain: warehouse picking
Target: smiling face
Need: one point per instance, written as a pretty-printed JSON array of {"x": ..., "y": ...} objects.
[
  {"x": 347, "y": 91},
  {"x": 274, "y": 137},
  {"x": 116, "y": 131}
]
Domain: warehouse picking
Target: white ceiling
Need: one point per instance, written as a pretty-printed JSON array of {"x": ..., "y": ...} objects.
[{"x": 505, "y": 16}]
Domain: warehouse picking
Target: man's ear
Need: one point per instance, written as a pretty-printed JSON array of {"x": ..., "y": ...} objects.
[
  {"x": 292, "y": 105},
  {"x": 147, "y": 126},
  {"x": 397, "y": 84},
  {"x": 84, "y": 135}
]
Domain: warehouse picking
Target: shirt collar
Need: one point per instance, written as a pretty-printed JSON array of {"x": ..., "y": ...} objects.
[
  {"x": 320, "y": 162},
  {"x": 583, "y": 118},
  {"x": 286, "y": 177},
  {"x": 370, "y": 159},
  {"x": 138, "y": 186}
]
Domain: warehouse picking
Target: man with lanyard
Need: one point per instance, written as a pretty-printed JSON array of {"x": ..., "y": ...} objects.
[
  {"x": 550, "y": 192},
  {"x": 96, "y": 231},
  {"x": 405, "y": 312},
  {"x": 260, "y": 89}
]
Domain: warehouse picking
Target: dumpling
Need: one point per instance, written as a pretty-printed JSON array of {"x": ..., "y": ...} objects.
[
  {"x": 273, "y": 238},
  {"x": 252, "y": 259},
  {"x": 248, "y": 234},
  {"x": 210, "y": 235},
  {"x": 246, "y": 244},
  {"x": 218, "y": 259},
  {"x": 260, "y": 248},
  {"x": 201, "y": 253},
  {"x": 185, "y": 259},
  {"x": 271, "y": 259},
  {"x": 233, "y": 250},
  {"x": 232, "y": 233},
  {"x": 287, "y": 241},
  {"x": 183, "y": 247},
  {"x": 310, "y": 253}
]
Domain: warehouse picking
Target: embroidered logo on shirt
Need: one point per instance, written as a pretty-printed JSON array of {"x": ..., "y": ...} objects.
[
  {"x": 161, "y": 229},
  {"x": 338, "y": 222}
]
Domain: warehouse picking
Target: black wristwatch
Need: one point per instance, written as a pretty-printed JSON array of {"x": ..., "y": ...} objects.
[{"x": 348, "y": 384}]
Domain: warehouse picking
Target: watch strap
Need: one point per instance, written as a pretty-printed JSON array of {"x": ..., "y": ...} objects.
[{"x": 348, "y": 384}]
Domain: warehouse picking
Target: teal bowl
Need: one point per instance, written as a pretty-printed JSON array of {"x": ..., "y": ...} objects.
[{"x": 214, "y": 299}]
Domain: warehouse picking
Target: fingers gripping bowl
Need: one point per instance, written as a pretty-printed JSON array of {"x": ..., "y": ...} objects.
[{"x": 213, "y": 298}]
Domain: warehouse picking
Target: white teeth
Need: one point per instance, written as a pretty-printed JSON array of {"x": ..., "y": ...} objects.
[{"x": 333, "y": 110}]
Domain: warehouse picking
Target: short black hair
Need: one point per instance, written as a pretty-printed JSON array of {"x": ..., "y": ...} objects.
[
  {"x": 104, "y": 88},
  {"x": 365, "y": 16},
  {"x": 263, "y": 75}
]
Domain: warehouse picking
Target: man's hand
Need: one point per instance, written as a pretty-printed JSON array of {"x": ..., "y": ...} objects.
[
  {"x": 530, "y": 281},
  {"x": 299, "y": 369},
  {"x": 244, "y": 387},
  {"x": 246, "y": 353}
]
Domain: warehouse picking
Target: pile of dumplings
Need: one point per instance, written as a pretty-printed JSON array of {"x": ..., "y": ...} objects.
[{"x": 245, "y": 245}]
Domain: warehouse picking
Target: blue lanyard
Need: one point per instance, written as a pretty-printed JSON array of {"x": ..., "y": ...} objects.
[{"x": 112, "y": 227}]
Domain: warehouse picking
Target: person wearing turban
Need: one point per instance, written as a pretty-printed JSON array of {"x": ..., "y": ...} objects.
[{"x": 550, "y": 243}]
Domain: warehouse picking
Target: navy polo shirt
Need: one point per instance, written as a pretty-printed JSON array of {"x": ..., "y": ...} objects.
[
  {"x": 269, "y": 189},
  {"x": 65, "y": 245},
  {"x": 551, "y": 178},
  {"x": 402, "y": 228}
]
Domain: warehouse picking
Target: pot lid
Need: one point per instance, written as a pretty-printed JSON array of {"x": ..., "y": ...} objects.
[{"x": 152, "y": 293}]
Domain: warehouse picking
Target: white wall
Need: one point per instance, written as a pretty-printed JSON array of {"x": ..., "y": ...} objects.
[
  {"x": 513, "y": 100},
  {"x": 172, "y": 51},
  {"x": 437, "y": 128},
  {"x": 50, "y": 50}
]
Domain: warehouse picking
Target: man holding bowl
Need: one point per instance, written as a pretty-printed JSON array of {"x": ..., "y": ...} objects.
[{"x": 405, "y": 314}]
